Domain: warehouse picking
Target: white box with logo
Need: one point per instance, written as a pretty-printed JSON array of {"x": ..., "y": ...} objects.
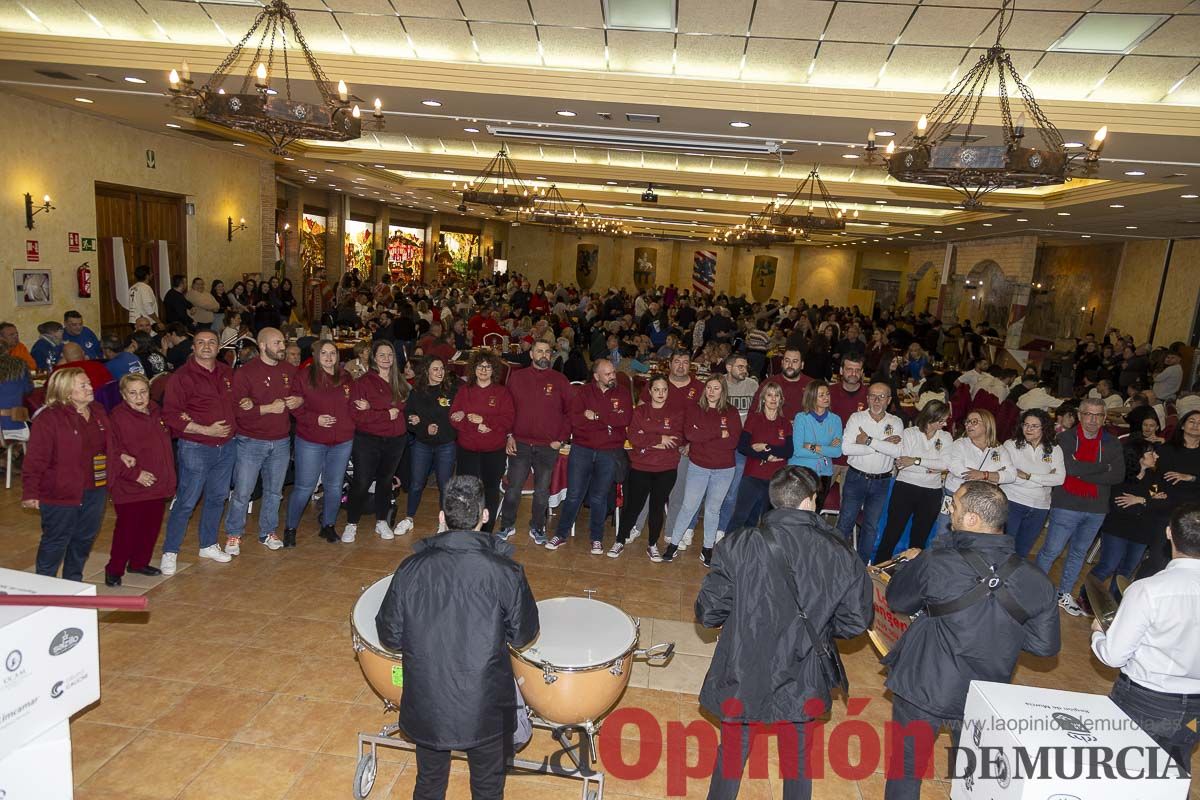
[
  {"x": 40, "y": 769},
  {"x": 1046, "y": 744},
  {"x": 51, "y": 659}
]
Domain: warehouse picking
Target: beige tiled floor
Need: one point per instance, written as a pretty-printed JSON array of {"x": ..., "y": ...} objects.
[{"x": 241, "y": 682}]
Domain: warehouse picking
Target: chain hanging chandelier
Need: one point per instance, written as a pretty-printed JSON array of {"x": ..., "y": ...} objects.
[
  {"x": 500, "y": 187},
  {"x": 948, "y": 149},
  {"x": 271, "y": 112},
  {"x": 758, "y": 231},
  {"x": 798, "y": 211},
  {"x": 552, "y": 209}
]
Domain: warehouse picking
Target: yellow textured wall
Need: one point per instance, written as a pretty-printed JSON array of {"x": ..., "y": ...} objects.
[
  {"x": 63, "y": 153},
  {"x": 811, "y": 272},
  {"x": 1138, "y": 281},
  {"x": 1176, "y": 316}
]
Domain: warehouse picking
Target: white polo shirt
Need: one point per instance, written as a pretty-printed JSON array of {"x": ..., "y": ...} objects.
[{"x": 871, "y": 458}]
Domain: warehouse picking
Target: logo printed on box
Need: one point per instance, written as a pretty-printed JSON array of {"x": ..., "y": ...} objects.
[
  {"x": 66, "y": 639},
  {"x": 13, "y": 661}
]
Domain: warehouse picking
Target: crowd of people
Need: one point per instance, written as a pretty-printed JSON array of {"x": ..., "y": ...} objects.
[{"x": 680, "y": 409}]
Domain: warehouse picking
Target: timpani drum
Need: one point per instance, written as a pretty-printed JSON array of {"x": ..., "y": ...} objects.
[
  {"x": 383, "y": 669},
  {"x": 579, "y": 665},
  {"x": 888, "y": 626}
]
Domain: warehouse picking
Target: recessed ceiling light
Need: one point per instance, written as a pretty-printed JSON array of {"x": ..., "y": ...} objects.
[
  {"x": 1073, "y": 144},
  {"x": 173, "y": 125},
  {"x": 1131, "y": 227},
  {"x": 850, "y": 155},
  {"x": 565, "y": 113},
  {"x": 881, "y": 202},
  {"x": 448, "y": 171},
  {"x": 238, "y": 144},
  {"x": 377, "y": 166},
  {"x": 288, "y": 158},
  {"x": 1116, "y": 205},
  {"x": 1135, "y": 173},
  {"x": 885, "y": 133},
  {"x": 611, "y": 183},
  {"x": 1189, "y": 196},
  {"x": 960, "y": 229},
  {"x": 987, "y": 224},
  {"x": 1022, "y": 219},
  {"x": 131, "y": 79},
  {"x": 471, "y": 130},
  {"x": 540, "y": 178},
  {"x": 937, "y": 231},
  {"x": 328, "y": 170},
  {"x": 1064, "y": 213},
  {"x": 739, "y": 124},
  {"x": 706, "y": 190},
  {"x": 1086, "y": 236},
  {"x": 431, "y": 103},
  {"x": 84, "y": 100}
]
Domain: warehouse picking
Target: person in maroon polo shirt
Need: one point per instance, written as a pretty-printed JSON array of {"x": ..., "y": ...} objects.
[
  {"x": 380, "y": 436},
  {"x": 200, "y": 411},
  {"x": 791, "y": 380},
  {"x": 142, "y": 471},
  {"x": 541, "y": 398},
  {"x": 656, "y": 434},
  {"x": 482, "y": 413},
  {"x": 266, "y": 391},
  {"x": 846, "y": 397}
]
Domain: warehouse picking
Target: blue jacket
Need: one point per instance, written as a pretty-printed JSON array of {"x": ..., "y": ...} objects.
[
  {"x": 45, "y": 353},
  {"x": 88, "y": 341},
  {"x": 806, "y": 429}
]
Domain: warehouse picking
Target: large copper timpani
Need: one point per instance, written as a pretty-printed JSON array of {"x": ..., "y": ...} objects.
[
  {"x": 579, "y": 665},
  {"x": 888, "y": 626},
  {"x": 383, "y": 669}
]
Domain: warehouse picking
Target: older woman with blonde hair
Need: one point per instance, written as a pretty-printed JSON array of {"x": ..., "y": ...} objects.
[
  {"x": 143, "y": 478},
  {"x": 65, "y": 475}
]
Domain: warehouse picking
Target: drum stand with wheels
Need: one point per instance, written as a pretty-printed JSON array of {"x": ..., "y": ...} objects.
[{"x": 577, "y": 743}]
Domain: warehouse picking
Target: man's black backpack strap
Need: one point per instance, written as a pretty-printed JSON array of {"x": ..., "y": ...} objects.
[{"x": 992, "y": 583}]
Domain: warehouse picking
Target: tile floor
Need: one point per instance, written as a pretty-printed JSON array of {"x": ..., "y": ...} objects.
[{"x": 241, "y": 684}]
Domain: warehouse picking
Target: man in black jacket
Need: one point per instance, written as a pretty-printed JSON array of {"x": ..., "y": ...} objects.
[
  {"x": 451, "y": 610},
  {"x": 983, "y": 605},
  {"x": 766, "y": 666}
]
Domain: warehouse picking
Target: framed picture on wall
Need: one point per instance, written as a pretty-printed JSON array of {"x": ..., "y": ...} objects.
[{"x": 31, "y": 287}]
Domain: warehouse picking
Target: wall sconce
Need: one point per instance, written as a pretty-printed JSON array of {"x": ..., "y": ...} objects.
[
  {"x": 241, "y": 226},
  {"x": 31, "y": 209}
]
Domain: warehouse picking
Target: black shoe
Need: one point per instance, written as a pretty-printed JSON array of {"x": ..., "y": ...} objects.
[
  {"x": 706, "y": 556},
  {"x": 289, "y": 537},
  {"x": 669, "y": 554},
  {"x": 1083, "y": 602},
  {"x": 147, "y": 570},
  {"x": 328, "y": 533},
  {"x": 112, "y": 580}
]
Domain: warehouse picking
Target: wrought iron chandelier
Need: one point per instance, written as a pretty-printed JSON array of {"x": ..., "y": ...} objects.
[
  {"x": 788, "y": 213},
  {"x": 275, "y": 114},
  {"x": 552, "y": 209},
  {"x": 500, "y": 187},
  {"x": 758, "y": 231},
  {"x": 943, "y": 149}
]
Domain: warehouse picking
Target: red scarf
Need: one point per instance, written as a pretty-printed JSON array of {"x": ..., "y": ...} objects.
[{"x": 1087, "y": 450}]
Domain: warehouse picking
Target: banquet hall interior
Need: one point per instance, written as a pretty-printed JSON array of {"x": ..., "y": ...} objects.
[{"x": 754, "y": 148}]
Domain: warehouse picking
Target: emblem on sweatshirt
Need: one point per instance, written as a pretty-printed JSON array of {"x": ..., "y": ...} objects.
[
  {"x": 616, "y": 404},
  {"x": 444, "y": 402},
  {"x": 491, "y": 402},
  {"x": 937, "y": 444},
  {"x": 995, "y": 457},
  {"x": 346, "y": 389},
  {"x": 549, "y": 389},
  {"x": 888, "y": 429},
  {"x": 1047, "y": 459}
]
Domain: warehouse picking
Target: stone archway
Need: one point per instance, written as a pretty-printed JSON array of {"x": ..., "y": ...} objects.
[
  {"x": 922, "y": 287},
  {"x": 986, "y": 295}
]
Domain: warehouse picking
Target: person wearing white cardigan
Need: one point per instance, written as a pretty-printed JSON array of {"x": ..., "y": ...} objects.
[{"x": 1038, "y": 464}]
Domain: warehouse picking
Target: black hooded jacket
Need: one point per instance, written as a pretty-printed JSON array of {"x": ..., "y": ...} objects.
[
  {"x": 762, "y": 633},
  {"x": 933, "y": 664},
  {"x": 452, "y": 609}
]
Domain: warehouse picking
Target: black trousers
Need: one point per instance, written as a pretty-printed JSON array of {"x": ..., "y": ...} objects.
[
  {"x": 486, "y": 762},
  {"x": 908, "y": 501},
  {"x": 488, "y": 467},
  {"x": 907, "y": 784},
  {"x": 375, "y": 458},
  {"x": 68, "y": 533},
  {"x": 797, "y": 785},
  {"x": 541, "y": 459},
  {"x": 656, "y": 486}
]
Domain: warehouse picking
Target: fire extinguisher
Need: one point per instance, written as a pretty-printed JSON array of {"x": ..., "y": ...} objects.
[{"x": 83, "y": 277}]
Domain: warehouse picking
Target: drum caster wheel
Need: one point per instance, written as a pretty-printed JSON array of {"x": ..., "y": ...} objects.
[
  {"x": 364, "y": 776},
  {"x": 593, "y": 794}
]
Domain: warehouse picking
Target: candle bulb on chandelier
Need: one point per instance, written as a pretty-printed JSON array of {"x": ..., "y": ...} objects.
[
  {"x": 1098, "y": 139},
  {"x": 1019, "y": 127},
  {"x": 260, "y": 76},
  {"x": 922, "y": 124},
  {"x": 343, "y": 92},
  {"x": 356, "y": 113},
  {"x": 871, "y": 136},
  {"x": 173, "y": 79},
  {"x": 891, "y": 148},
  {"x": 378, "y": 108},
  {"x": 185, "y": 71}
]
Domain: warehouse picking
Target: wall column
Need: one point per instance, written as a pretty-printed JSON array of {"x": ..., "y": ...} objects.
[{"x": 266, "y": 217}]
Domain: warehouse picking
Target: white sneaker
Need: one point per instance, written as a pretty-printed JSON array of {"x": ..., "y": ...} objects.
[
  {"x": 404, "y": 526},
  {"x": 214, "y": 552},
  {"x": 383, "y": 530},
  {"x": 167, "y": 565},
  {"x": 616, "y": 550},
  {"x": 272, "y": 542},
  {"x": 633, "y": 534},
  {"x": 349, "y": 532},
  {"x": 233, "y": 546},
  {"x": 1069, "y": 605},
  {"x": 687, "y": 539}
]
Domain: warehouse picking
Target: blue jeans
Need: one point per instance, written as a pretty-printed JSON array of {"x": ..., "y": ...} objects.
[
  {"x": 438, "y": 458},
  {"x": 269, "y": 457},
  {"x": 1024, "y": 525},
  {"x": 323, "y": 462},
  {"x": 739, "y": 464},
  {"x": 868, "y": 495},
  {"x": 203, "y": 470},
  {"x": 707, "y": 486},
  {"x": 1075, "y": 528},
  {"x": 589, "y": 476},
  {"x": 1117, "y": 555},
  {"x": 753, "y": 500},
  {"x": 1164, "y": 717}
]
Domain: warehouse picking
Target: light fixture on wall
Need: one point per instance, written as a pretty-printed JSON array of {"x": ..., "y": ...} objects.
[
  {"x": 241, "y": 226},
  {"x": 31, "y": 210}
]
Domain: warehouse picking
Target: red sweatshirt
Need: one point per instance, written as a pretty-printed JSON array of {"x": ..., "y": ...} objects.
[
  {"x": 328, "y": 398},
  {"x": 146, "y": 438},
  {"x": 844, "y": 404},
  {"x": 495, "y": 404},
  {"x": 775, "y": 433},
  {"x": 793, "y": 394},
  {"x": 263, "y": 384},
  {"x": 543, "y": 405},
  {"x": 376, "y": 419},
  {"x": 195, "y": 394},
  {"x": 680, "y": 398},
  {"x": 646, "y": 430},
  {"x": 614, "y": 409},
  {"x": 58, "y": 466},
  {"x": 713, "y": 436}
]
